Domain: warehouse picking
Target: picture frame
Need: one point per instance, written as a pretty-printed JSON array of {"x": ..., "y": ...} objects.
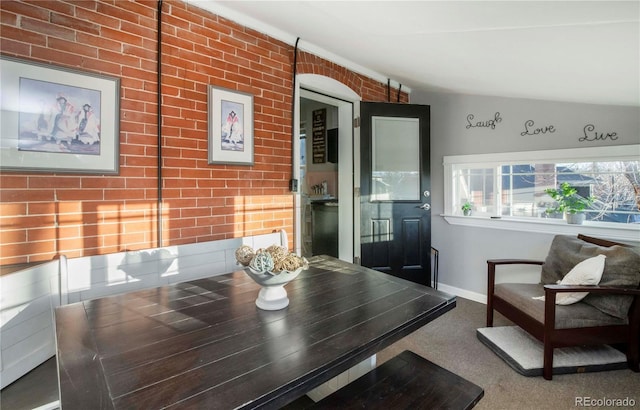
[
  {"x": 230, "y": 119},
  {"x": 58, "y": 120}
]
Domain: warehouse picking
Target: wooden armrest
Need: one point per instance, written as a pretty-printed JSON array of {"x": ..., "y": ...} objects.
[
  {"x": 550, "y": 298},
  {"x": 514, "y": 262},
  {"x": 600, "y": 242},
  {"x": 491, "y": 279},
  {"x": 491, "y": 269},
  {"x": 614, "y": 290}
]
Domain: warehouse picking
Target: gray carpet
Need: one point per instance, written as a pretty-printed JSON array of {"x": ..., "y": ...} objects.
[
  {"x": 523, "y": 353},
  {"x": 451, "y": 342}
]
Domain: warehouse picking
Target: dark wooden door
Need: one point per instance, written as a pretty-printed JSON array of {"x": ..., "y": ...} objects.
[{"x": 395, "y": 201}]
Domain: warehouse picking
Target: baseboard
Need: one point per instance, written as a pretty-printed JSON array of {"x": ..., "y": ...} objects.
[{"x": 463, "y": 293}]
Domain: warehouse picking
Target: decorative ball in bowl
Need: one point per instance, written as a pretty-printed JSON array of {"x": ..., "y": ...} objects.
[{"x": 272, "y": 269}]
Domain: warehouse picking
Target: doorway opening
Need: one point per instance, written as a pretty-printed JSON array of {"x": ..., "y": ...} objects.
[
  {"x": 325, "y": 198},
  {"x": 319, "y": 177}
]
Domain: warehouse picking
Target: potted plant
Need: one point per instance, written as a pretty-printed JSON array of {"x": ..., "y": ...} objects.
[
  {"x": 466, "y": 209},
  {"x": 569, "y": 203}
]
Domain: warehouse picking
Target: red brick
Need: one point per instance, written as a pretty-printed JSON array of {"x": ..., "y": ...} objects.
[
  {"x": 22, "y": 36},
  {"x": 13, "y": 47},
  {"x": 100, "y": 214},
  {"x": 9, "y": 236},
  {"x": 25, "y": 9},
  {"x": 13, "y": 181}
]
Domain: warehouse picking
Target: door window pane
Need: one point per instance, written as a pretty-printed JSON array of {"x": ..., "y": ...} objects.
[{"x": 395, "y": 168}]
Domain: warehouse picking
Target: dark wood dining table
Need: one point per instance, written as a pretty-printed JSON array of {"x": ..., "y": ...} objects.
[{"x": 204, "y": 344}]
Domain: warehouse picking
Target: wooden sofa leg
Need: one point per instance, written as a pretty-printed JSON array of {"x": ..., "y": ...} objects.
[
  {"x": 489, "y": 316},
  {"x": 633, "y": 348},
  {"x": 547, "y": 362},
  {"x": 491, "y": 279},
  {"x": 633, "y": 355}
]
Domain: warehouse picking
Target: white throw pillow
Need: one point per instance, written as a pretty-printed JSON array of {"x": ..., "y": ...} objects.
[{"x": 587, "y": 272}]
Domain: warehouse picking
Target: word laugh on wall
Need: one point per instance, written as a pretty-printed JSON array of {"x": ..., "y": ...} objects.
[{"x": 484, "y": 124}]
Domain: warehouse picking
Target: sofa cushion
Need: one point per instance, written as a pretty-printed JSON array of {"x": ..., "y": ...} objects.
[
  {"x": 622, "y": 268},
  {"x": 587, "y": 272},
  {"x": 563, "y": 255},
  {"x": 576, "y": 315}
]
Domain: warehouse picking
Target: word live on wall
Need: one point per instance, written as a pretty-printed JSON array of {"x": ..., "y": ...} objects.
[
  {"x": 589, "y": 131},
  {"x": 590, "y": 134}
]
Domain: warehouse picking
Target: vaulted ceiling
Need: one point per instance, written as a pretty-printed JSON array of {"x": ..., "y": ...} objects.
[{"x": 575, "y": 51}]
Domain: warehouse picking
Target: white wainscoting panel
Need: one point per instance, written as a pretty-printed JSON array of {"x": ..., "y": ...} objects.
[
  {"x": 27, "y": 300},
  {"x": 28, "y": 297}
]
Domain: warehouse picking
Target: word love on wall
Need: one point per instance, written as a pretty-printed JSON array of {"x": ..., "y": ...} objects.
[
  {"x": 531, "y": 129},
  {"x": 590, "y": 133},
  {"x": 483, "y": 124}
]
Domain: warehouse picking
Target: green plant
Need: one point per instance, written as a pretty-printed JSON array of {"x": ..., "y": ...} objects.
[
  {"x": 567, "y": 200},
  {"x": 466, "y": 206}
]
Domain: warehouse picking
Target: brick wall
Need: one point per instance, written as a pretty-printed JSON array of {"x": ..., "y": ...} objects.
[{"x": 44, "y": 215}]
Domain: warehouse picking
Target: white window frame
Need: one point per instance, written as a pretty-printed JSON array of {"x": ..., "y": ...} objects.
[{"x": 628, "y": 232}]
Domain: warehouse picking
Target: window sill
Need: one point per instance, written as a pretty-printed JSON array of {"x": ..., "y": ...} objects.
[{"x": 555, "y": 227}]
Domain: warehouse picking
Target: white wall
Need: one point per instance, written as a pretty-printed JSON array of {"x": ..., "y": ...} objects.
[{"x": 464, "y": 250}]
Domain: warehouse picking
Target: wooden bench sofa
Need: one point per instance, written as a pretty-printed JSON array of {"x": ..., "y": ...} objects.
[
  {"x": 28, "y": 296},
  {"x": 610, "y": 314}
]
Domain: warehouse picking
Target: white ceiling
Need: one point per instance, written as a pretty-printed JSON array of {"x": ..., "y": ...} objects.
[{"x": 575, "y": 51}]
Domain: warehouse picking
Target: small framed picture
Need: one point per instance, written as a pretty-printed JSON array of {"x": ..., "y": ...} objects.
[
  {"x": 230, "y": 127},
  {"x": 58, "y": 120}
]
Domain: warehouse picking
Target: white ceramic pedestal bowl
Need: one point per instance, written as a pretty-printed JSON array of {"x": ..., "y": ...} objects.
[{"x": 273, "y": 295}]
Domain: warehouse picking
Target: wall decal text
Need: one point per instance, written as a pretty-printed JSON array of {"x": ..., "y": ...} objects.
[
  {"x": 590, "y": 134},
  {"x": 530, "y": 129},
  {"x": 484, "y": 124}
]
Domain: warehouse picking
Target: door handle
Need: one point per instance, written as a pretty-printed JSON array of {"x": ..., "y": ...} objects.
[{"x": 426, "y": 207}]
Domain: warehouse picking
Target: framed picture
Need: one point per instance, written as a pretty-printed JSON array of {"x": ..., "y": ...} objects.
[
  {"x": 58, "y": 120},
  {"x": 230, "y": 127}
]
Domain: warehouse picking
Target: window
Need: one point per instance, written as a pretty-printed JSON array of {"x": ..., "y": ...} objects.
[
  {"x": 512, "y": 185},
  {"x": 395, "y": 167}
]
